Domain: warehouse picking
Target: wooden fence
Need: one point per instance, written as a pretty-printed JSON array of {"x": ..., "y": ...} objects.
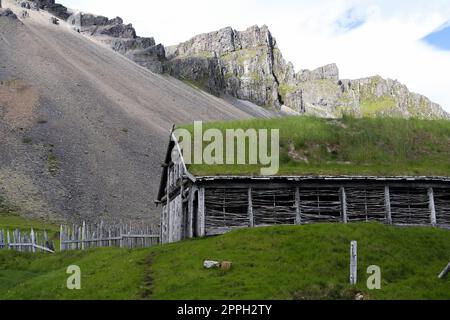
[
  {"x": 120, "y": 235},
  {"x": 26, "y": 242}
]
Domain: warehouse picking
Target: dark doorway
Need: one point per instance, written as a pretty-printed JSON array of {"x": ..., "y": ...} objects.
[{"x": 195, "y": 215}]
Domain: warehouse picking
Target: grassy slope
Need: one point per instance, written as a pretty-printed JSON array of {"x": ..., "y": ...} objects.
[
  {"x": 306, "y": 262},
  {"x": 349, "y": 146}
]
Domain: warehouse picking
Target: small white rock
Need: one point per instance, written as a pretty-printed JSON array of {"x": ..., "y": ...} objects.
[{"x": 211, "y": 264}]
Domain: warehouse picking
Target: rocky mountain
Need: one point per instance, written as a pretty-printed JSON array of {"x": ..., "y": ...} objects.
[
  {"x": 249, "y": 65},
  {"x": 83, "y": 130},
  {"x": 121, "y": 38}
]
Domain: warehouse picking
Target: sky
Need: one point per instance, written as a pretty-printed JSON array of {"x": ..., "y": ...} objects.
[{"x": 407, "y": 40}]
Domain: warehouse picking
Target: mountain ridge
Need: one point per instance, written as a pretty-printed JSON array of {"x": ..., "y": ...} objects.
[
  {"x": 248, "y": 65},
  {"x": 259, "y": 73}
]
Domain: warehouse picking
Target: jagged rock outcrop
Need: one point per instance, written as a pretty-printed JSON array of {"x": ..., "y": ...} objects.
[
  {"x": 7, "y": 13},
  {"x": 54, "y": 8},
  {"x": 121, "y": 38},
  {"x": 250, "y": 66},
  {"x": 237, "y": 63}
]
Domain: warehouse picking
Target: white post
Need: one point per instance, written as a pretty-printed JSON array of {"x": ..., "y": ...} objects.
[
  {"x": 83, "y": 235},
  {"x": 387, "y": 203},
  {"x": 353, "y": 263},
  {"x": 32, "y": 236},
  {"x": 8, "y": 238},
  {"x": 61, "y": 245},
  {"x": 445, "y": 272},
  {"x": 344, "y": 205},
  {"x": 432, "y": 207}
]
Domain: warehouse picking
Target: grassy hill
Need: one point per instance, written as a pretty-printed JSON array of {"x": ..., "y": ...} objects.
[
  {"x": 298, "y": 262},
  {"x": 348, "y": 146}
]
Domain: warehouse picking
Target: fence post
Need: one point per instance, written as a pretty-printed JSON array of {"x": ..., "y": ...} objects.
[
  {"x": 61, "y": 239},
  {"x": 432, "y": 207},
  {"x": 32, "y": 240},
  {"x": 8, "y": 238},
  {"x": 387, "y": 203},
  {"x": 83, "y": 235},
  {"x": 353, "y": 263},
  {"x": 121, "y": 236}
]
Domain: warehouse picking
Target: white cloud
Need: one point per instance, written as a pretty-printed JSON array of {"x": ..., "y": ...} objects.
[{"x": 388, "y": 43}]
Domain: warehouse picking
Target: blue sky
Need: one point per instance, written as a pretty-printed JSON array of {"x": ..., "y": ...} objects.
[
  {"x": 440, "y": 38},
  {"x": 400, "y": 39}
]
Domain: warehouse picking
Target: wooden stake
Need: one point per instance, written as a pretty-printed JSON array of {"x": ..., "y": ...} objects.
[
  {"x": 353, "y": 263},
  {"x": 445, "y": 272}
]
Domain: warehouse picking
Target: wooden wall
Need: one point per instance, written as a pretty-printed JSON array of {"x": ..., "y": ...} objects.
[{"x": 201, "y": 209}]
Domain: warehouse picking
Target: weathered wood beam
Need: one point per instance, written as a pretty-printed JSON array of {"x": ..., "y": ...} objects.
[
  {"x": 353, "y": 263},
  {"x": 445, "y": 272},
  {"x": 344, "y": 205},
  {"x": 250, "y": 209},
  {"x": 432, "y": 206},
  {"x": 201, "y": 211},
  {"x": 298, "y": 210},
  {"x": 387, "y": 204}
]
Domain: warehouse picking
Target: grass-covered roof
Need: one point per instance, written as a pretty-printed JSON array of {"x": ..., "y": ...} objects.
[{"x": 347, "y": 146}]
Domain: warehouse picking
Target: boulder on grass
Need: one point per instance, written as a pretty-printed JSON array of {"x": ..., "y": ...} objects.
[{"x": 211, "y": 264}]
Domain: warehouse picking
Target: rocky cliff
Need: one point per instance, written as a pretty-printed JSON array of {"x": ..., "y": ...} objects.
[
  {"x": 113, "y": 32},
  {"x": 249, "y": 65},
  {"x": 121, "y": 38}
]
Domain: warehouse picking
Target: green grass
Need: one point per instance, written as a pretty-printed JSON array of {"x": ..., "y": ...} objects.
[
  {"x": 297, "y": 262},
  {"x": 106, "y": 274},
  {"x": 11, "y": 221},
  {"x": 348, "y": 146},
  {"x": 376, "y": 105}
]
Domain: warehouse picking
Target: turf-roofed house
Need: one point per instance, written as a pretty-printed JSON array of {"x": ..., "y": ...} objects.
[{"x": 348, "y": 170}]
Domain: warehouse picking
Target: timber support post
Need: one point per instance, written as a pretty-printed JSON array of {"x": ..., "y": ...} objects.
[
  {"x": 432, "y": 207},
  {"x": 298, "y": 210},
  {"x": 344, "y": 205},
  {"x": 250, "y": 209},
  {"x": 387, "y": 204},
  {"x": 201, "y": 211}
]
